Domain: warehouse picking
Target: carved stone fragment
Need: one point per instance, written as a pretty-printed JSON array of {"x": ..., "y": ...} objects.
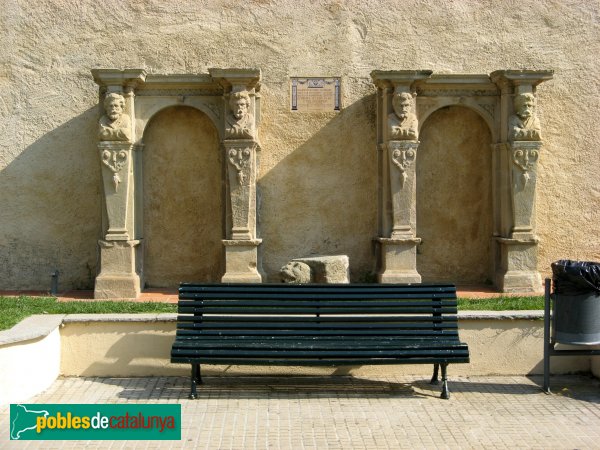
[{"x": 296, "y": 272}]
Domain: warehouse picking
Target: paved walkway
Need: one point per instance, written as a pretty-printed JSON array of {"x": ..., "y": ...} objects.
[{"x": 347, "y": 413}]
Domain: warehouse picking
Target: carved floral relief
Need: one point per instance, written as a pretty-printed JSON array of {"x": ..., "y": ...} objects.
[
  {"x": 240, "y": 159},
  {"x": 525, "y": 159},
  {"x": 115, "y": 160},
  {"x": 403, "y": 159}
]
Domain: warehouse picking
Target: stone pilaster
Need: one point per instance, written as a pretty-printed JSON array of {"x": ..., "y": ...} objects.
[
  {"x": 520, "y": 135},
  {"x": 116, "y": 134},
  {"x": 397, "y": 134},
  {"x": 240, "y": 146}
]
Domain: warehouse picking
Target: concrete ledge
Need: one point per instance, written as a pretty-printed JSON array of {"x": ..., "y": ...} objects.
[
  {"x": 40, "y": 348},
  {"x": 29, "y": 357},
  {"x": 32, "y": 327}
]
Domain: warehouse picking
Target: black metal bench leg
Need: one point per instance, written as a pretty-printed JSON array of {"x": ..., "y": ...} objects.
[
  {"x": 445, "y": 392},
  {"x": 434, "y": 378},
  {"x": 195, "y": 379}
]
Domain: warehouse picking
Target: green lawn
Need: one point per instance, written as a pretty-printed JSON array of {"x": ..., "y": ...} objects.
[{"x": 15, "y": 309}]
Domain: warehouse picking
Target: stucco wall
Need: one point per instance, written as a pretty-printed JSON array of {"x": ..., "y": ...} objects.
[
  {"x": 94, "y": 346},
  {"x": 317, "y": 177}
]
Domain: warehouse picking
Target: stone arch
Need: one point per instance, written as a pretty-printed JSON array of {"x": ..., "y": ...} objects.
[
  {"x": 207, "y": 108},
  {"x": 468, "y": 103}
]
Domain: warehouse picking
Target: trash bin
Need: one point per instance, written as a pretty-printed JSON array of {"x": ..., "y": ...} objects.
[{"x": 576, "y": 302}]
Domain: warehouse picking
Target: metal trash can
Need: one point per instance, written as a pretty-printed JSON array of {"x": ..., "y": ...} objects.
[{"x": 576, "y": 302}]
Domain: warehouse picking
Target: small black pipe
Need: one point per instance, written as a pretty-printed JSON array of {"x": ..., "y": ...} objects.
[{"x": 54, "y": 284}]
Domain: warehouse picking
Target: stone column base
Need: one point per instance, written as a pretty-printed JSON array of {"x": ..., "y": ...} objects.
[
  {"x": 241, "y": 261},
  {"x": 117, "y": 278},
  {"x": 518, "y": 266},
  {"x": 398, "y": 259},
  {"x": 117, "y": 286}
]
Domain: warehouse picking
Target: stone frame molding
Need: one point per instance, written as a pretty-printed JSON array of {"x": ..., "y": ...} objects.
[
  {"x": 121, "y": 255},
  {"x": 513, "y": 172}
]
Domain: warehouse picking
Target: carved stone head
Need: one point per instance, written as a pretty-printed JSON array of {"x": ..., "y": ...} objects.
[
  {"x": 402, "y": 104},
  {"x": 524, "y": 106},
  {"x": 239, "y": 102},
  {"x": 114, "y": 104},
  {"x": 295, "y": 272}
]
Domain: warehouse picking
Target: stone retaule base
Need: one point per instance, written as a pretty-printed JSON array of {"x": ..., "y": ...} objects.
[
  {"x": 398, "y": 261},
  {"x": 518, "y": 266},
  {"x": 241, "y": 261},
  {"x": 116, "y": 286},
  {"x": 117, "y": 278}
]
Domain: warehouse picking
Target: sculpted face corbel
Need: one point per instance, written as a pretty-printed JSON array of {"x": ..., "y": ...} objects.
[
  {"x": 114, "y": 125},
  {"x": 524, "y": 125},
  {"x": 402, "y": 122},
  {"x": 239, "y": 123}
]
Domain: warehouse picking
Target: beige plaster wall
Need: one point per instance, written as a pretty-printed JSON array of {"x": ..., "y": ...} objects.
[
  {"x": 317, "y": 178},
  {"x": 497, "y": 347},
  {"x": 182, "y": 220}
]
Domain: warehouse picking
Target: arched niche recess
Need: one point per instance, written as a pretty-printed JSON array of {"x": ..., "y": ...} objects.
[
  {"x": 130, "y": 99},
  {"x": 505, "y": 100}
]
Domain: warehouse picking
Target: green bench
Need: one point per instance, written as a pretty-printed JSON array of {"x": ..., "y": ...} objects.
[{"x": 318, "y": 325}]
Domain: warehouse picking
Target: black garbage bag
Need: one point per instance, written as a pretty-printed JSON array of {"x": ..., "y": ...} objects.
[{"x": 576, "y": 277}]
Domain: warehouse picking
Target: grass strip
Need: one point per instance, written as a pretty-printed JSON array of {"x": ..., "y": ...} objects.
[
  {"x": 507, "y": 303},
  {"x": 15, "y": 309}
]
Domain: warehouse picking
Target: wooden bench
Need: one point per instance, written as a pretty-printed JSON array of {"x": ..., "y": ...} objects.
[{"x": 318, "y": 324}]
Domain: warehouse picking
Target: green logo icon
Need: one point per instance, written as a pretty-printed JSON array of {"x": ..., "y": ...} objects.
[{"x": 95, "y": 422}]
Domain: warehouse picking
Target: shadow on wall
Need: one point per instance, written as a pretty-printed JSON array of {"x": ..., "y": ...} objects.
[
  {"x": 51, "y": 213},
  {"x": 321, "y": 199}
]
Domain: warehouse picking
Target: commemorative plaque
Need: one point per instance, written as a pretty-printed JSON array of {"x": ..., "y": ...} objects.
[{"x": 315, "y": 94}]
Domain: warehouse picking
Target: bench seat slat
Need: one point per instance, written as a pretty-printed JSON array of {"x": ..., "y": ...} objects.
[
  {"x": 330, "y": 354},
  {"x": 262, "y": 332},
  {"x": 272, "y": 311},
  {"x": 322, "y": 361},
  {"x": 316, "y": 344},
  {"x": 314, "y": 325},
  {"x": 292, "y": 297},
  {"x": 310, "y": 318}
]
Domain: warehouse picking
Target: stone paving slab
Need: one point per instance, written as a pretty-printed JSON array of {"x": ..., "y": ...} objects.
[{"x": 347, "y": 413}]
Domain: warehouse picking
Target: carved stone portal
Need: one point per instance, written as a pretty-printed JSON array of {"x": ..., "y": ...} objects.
[
  {"x": 506, "y": 101},
  {"x": 130, "y": 98}
]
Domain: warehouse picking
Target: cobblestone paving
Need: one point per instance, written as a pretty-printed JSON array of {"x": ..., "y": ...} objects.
[{"x": 347, "y": 413}]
